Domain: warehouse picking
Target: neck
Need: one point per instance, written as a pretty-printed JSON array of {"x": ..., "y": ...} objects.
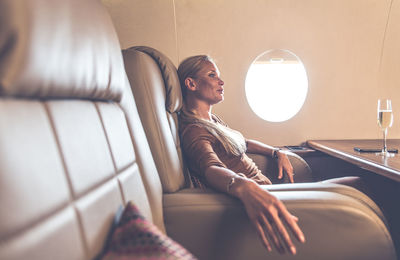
[{"x": 201, "y": 109}]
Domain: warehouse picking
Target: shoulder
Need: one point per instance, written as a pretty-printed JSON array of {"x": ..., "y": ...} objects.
[
  {"x": 196, "y": 134},
  {"x": 193, "y": 130}
]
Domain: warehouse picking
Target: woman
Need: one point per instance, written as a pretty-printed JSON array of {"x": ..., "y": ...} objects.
[{"x": 216, "y": 155}]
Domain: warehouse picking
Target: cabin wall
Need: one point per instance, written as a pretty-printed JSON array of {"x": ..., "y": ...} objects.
[{"x": 350, "y": 49}]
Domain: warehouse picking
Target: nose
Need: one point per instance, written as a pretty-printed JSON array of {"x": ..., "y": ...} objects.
[{"x": 220, "y": 82}]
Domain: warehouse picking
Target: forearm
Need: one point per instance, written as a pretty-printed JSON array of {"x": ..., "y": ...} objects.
[
  {"x": 254, "y": 146},
  {"x": 220, "y": 179}
]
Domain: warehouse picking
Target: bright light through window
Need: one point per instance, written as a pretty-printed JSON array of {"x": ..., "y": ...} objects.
[{"x": 276, "y": 85}]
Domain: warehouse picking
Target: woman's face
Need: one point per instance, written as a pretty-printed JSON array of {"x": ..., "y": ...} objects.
[{"x": 209, "y": 86}]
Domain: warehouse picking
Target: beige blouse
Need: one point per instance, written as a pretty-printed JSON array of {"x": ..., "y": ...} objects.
[{"x": 202, "y": 150}]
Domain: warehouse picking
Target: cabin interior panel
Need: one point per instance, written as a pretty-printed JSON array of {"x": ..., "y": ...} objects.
[{"x": 348, "y": 49}]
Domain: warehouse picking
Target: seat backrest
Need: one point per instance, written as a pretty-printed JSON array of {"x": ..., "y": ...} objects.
[
  {"x": 72, "y": 147},
  {"x": 155, "y": 85}
]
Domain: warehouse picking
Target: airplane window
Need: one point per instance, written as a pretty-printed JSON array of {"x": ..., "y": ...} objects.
[{"x": 276, "y": 85}]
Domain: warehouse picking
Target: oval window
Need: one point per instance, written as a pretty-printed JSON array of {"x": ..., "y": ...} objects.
[{"x": 276, "y": 85}]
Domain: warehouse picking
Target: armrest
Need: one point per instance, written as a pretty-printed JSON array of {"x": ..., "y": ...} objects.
[
  {"x": 268, "y": 166},
  {"x": 215, "y": 226}
]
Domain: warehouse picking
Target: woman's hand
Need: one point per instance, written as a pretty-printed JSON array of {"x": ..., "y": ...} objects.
[
  {"x": 283, "y": 161},
  {"x": 266, "y": 212},
  {"x": 284, "y": 165},
  {"x": 268, "y": 215}
]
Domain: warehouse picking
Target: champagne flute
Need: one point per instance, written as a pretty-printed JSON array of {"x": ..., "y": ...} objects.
[{"x": 385, "y": 120}]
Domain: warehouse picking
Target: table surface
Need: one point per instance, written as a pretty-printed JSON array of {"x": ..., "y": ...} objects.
[{"x": 344, "y": 149}]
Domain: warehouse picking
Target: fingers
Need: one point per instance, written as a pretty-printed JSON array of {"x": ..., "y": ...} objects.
[
  {"x": 282, "y": 231},
  {"x": 280, "y": 175},
  {"x": 285, "y": 165},
  {"x": 271, "y": 219},
  {"x": 284, "y": 234},
  {"x": 272, "y": 234},
  {"x": 292, "y": 222},
  {"x": 290, "y": 174},
  {"x": 273, "y": 227},
  {"x": 264, "y": 239}
]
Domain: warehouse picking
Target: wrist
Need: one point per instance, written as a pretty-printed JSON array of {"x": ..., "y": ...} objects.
[
  {"x": 239, "y": 185},
  {"x": 276, "y": 153}
]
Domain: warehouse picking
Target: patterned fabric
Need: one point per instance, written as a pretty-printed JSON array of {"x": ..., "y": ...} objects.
[{"x": 137, "y": 238}]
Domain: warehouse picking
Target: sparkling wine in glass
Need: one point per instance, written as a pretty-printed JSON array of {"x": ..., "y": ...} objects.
[{"x": 385, "y": 120}]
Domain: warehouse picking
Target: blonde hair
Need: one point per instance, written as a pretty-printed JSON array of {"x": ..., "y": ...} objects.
[
  {"x": 232, "y": 141},
  {"x": 189, "y": 67}
]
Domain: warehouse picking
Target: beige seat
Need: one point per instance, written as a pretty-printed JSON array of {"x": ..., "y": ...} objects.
[
  {"x": 73, "y": 149},
  {"x": 209, "y": 215}
]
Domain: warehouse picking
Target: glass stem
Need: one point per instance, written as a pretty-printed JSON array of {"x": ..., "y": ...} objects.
[{"x": 384, "y": 141}]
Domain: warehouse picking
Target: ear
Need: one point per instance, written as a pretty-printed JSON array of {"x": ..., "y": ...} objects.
[{"x": 190, "y": 84}]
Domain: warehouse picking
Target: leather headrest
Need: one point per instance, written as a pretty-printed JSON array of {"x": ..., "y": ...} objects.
[
  {"x": 59, "y": 48},
  {"x": 173, "y": 102}
]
